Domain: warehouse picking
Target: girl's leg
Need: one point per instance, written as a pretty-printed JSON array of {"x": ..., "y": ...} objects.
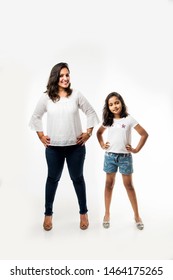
[
  {"x": 127, "y": 180},
  {"x": 109, "y": 184}
]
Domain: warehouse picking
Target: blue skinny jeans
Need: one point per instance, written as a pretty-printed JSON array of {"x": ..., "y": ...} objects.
[{"x": 74, "y": 156}]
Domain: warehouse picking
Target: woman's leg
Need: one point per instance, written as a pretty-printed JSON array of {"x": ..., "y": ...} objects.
[
  {"x": 127, "y": 180},
  {"x": 109, "y": 184},
  {"x": 55, "y": 162},
  {"x": 75, "y": 157},
  {"x": 75, "y": 160}
]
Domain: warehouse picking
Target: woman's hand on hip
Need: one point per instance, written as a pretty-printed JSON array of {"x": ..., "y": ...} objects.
[
  {"x": 45, "y": 140},
  {"x": 82, "y": 138}
]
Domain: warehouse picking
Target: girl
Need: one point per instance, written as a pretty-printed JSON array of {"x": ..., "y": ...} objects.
[{"x": 118, "y": 151}]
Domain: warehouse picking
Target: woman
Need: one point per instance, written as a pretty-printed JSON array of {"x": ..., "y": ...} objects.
[{"x": 65, "y": 139}]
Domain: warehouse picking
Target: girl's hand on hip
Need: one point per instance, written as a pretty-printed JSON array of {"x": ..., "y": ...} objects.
[
  {"x": 130, "y": 149},
  {"x": 106, "y": 146}
]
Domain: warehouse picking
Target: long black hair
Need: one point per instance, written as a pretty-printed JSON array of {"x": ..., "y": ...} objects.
[
  {"x": 108, "y": 116},
  {"x": 52, "y": 85}
]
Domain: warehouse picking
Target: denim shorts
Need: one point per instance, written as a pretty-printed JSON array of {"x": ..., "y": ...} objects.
[{"x": 113, "y": 161}]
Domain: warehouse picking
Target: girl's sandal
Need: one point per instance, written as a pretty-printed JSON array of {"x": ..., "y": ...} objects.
[
  {"x": 106, "y": 224},
  {"x": 140, "y": 225}
]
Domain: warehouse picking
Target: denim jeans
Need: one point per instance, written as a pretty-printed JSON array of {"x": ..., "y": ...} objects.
[{"x": 56, "y": 156}]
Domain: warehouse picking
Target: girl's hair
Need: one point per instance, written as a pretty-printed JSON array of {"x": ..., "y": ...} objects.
[
  {"x": 108, "y": 116},
  {"x": 52, "y": 85}
]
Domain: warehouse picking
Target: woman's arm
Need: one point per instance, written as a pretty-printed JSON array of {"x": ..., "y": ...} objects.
[
  {"x": 88, "y": 110},
  {"x": 36, "y": 118},
  {"x": 92, "y": 118},
  {"x": 144, "y": 135},
  {"x": 84, "y": 136},
  {"x": 43, "y": 138}
]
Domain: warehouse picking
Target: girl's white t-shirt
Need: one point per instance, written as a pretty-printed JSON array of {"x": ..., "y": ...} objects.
[
  {"x": 119, "y": 134},
  {"x": 63, "y": 118}
]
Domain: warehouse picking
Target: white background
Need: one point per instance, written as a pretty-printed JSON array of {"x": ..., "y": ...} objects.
[{"x": 113, "y": 45}]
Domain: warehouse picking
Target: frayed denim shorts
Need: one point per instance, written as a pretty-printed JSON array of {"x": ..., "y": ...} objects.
[{"x": 113, "y": 161}]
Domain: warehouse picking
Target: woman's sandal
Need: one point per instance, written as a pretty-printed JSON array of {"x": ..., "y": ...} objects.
[
  {"x": 47, "y": 225},
  {"x": 84, "y": 224}
]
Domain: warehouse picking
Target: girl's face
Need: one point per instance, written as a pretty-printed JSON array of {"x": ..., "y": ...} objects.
[
  {"x": 64, "y": 78},
  {"x": 115, "y": 106}
]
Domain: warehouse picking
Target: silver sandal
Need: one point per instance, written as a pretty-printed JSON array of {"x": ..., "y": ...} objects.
[
  {"x": 106, "y": 224},
  {"x": 140, "y": 225}
]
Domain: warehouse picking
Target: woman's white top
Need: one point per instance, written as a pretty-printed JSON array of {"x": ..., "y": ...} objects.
[
  {"x": 63, "y": 118},
  {"x": 119, "y": 134}
]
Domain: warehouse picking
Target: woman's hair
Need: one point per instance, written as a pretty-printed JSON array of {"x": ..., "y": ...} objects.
[
  {"x": 52, "y": 85},
  {"x": 108, "y": 116}
]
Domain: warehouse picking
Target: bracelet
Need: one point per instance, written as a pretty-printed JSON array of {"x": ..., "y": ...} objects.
[{"x": 89, "y": 133}]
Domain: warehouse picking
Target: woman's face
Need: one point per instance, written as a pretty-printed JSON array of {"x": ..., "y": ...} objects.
[
  {"x": 64, "y": 78},
  {"x": 115, "y": 106}
]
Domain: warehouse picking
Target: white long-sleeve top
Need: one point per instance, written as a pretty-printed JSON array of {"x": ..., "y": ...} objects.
[{"x": 63, "y": 118}]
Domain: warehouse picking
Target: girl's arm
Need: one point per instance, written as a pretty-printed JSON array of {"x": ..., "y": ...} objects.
[
  {"x": 100, "y": 138},
  {"x": 144, "y": 136}
]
